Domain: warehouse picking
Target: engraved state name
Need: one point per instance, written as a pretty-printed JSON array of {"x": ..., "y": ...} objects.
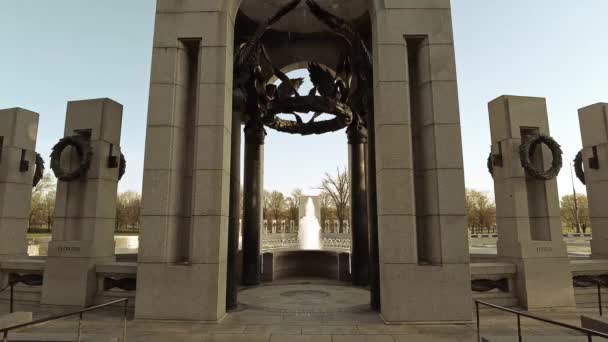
[{"x": 68, "y": 249}]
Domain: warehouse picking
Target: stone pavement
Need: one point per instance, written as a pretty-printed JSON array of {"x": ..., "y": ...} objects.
[{"x": 289, "y": 316}]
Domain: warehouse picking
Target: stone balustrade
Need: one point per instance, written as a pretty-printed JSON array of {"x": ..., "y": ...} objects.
[
  {"x": 116, "y": 280},
  {"x": 291, "y": 226},
  {"x": 277, "y": 241},
  {"x": 494, "y": 282},
  {"x": 22, "y": 292}
]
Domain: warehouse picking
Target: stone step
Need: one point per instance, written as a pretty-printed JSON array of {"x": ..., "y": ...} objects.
[
  {"x": 58, "y": 337},
  {"x": 529, "y": 338},
  {"x": 15, "y": 318},
  {"x": 595, "y": 323}
]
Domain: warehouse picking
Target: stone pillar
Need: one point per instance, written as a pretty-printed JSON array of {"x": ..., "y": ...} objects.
[
  {"x": 344, "y": 267},
  {"x": 267, "y": 267},
  {"x": 186, "y": 185},
  {"x": 527, "y": 209},
  {"x": 357, "y": 145},
  {"x": 253, "y": 193},
  {"x": 422, "y": 240},
  {"x": 234, "y": 215},
  {"x": 18, "y": 131},
  {"x": 594, "y": 131},
  {"x": 372, "y": 216},
  {"x": 85, "y": 209}
]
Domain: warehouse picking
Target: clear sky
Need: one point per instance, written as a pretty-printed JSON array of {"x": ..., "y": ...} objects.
[{"x": 61, "y": 50}]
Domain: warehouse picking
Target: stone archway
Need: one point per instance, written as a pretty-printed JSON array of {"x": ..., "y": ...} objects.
[
  {"x": 420, "y": 210},
  {"x": 320, "y": 46}
]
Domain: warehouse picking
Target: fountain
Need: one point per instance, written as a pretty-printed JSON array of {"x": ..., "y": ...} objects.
[{"x": 309, "y": 233}]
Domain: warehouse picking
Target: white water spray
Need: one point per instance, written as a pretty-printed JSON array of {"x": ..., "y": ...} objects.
[{"x": 309, "y": 233}]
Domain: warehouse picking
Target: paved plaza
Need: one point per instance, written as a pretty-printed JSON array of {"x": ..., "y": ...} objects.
[
  {"x": 205, "y": 267},
  {"x": 301, "y": 311}
]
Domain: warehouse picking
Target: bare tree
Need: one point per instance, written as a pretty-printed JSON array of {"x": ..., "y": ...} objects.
[
  {"x": 293, "y": 204},
  {"x": 327, "y": 209},
  {"x": 338, "y": 189},
  {"x": 128, "y": 207},
  {"x": 481, "y": 211},
  {"x": 43, "y": 202},
  {"x": 46, "y": 184},
  {"x": 570, "y": 214},
  {"x": 276, "y": 205}
]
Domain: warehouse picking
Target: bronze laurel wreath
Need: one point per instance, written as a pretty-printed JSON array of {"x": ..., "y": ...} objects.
[
  {"x": 122, "y": 167},
  {"x": 578, "y": 167},
  {"x": 526, "y": 152},
  {"x": 39, "y": 172},
  {"x": 84, "y": 151}
]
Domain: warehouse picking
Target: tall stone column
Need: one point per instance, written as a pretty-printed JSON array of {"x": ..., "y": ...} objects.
[
  {"x": 527, "y": 209},
  {"x": 372, "y": 217},
  {"x": 594, "y": 131},
  {"x": 18, "y": 131},
  {"x": 419, "y": 170},
  {"x": 357, "y": 145},
  {"x": 181, "y": 273},
  {"x": 253, "y": 192},
  {"x": 85, "y": 208},
  {"x": 234, "y": 215}
]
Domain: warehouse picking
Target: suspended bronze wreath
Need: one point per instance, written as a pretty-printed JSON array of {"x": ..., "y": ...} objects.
[
  {"x": 39, "y": 172},
  {"x": 122, "y": 167},
  {"x": 84, "y": 152},
  {"x": 343, "y": 95},
  {"x": 490, "y": 164},
  {"x": 590, "y": 280},
  {"x": 578, "y": 167},
  {"x": 341, "y": 111},
  {"x": 526, "y": 153}
]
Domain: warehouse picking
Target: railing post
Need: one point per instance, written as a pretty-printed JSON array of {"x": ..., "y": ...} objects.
[
  {"x": 599, "y": 297},
  {"x": 79, "y": 326},
  {"x": 12, "y": 294},
  {"x": 5, "y": 337},
  {"x": 477, "y": 314},
  {"x": 124, "y": 332},
  {"x": 589, "y": 337},
  {"x": 519, "y": 328}
]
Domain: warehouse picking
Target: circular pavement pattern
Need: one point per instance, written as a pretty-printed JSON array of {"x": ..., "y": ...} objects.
[{"x": 305, "y": 298}]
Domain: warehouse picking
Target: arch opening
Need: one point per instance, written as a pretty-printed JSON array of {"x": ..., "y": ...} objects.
[{"x": 289, "y": 46}]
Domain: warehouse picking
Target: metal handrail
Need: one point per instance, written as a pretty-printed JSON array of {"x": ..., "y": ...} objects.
[
  {"x": 79, "y": 313},
  {"x": 590, "y": 333},
  {"x": 598, "y": 286}
]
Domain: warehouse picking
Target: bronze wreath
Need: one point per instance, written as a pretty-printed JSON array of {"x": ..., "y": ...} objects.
[
  {"x": 590, "y": 280},
  {"x": 490, "y": 165},
  {"x": 122, "y": 167},
  {"x": 39, "y": 172},
  {"x": 304, "y": 104},
  {"x": 526, "y": 151},
  {"x": 84, "y": 151},
  {"x": 578, "y": 167}
]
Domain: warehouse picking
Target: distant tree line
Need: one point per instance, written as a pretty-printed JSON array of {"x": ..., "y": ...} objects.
[
  {"x": 43, "y": 203},
  {"x": 575, "y": 218},
  {"x": 481, "y": 212},
  {"x": 334, "y": 199},
  {"x": 128, "y": 207}
]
